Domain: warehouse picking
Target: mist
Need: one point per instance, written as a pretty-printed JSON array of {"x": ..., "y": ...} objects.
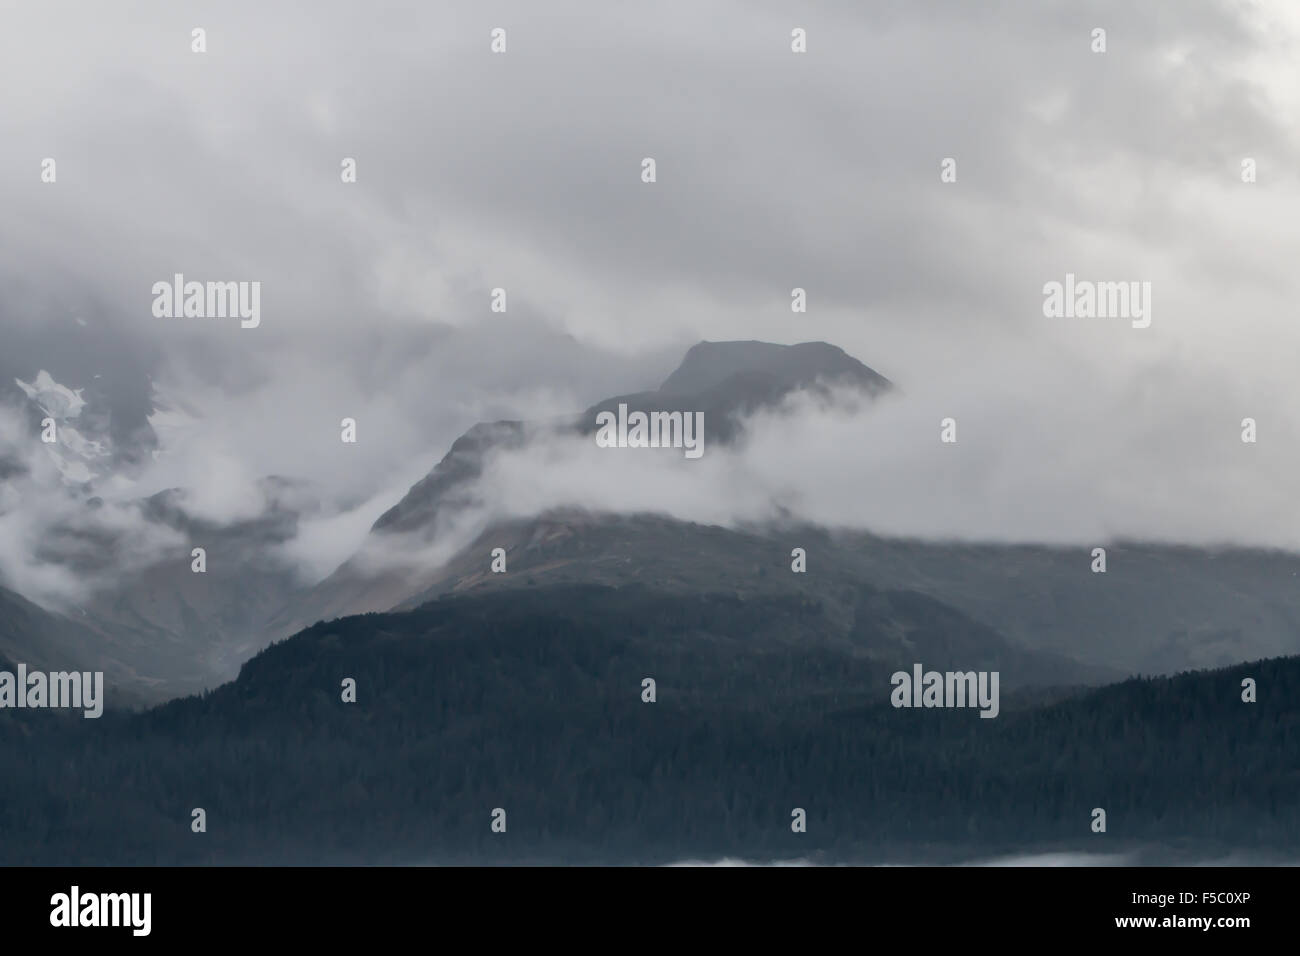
[{"x": 819, "y": 172}]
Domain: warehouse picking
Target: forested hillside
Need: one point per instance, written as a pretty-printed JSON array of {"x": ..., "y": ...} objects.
[{"x": 532, "y": 702}]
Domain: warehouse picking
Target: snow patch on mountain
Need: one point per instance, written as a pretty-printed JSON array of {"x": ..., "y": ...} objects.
[{"x": 78, "y": 456}]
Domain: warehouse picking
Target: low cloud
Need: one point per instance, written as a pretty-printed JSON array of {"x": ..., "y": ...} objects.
[
  {"x": 819, "y": 170},
  {"x": 1046, "y": 458},
  {"x": 58, "y": 543}
]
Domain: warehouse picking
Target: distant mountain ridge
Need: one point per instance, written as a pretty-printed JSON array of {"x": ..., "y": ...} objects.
[
  {"x": 1161, "y": 609},
  {"x": 1169, "y": 608}
]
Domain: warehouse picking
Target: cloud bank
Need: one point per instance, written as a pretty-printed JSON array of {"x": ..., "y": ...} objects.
[{"x": 775, "y": 170}]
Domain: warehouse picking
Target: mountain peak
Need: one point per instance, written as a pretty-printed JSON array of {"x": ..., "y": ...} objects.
[{"x": 708, "y": 365}]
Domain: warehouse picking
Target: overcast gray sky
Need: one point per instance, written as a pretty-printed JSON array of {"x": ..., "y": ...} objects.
[{"x": 775, "y": 170}]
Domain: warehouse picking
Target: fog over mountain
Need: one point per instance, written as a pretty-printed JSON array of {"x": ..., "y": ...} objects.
[
  {"x": 819, "y": 172},
  {"x": 714, "y": 449},
  {"x": 804, "y": 446},
  {"x": 833, "y": 456}
]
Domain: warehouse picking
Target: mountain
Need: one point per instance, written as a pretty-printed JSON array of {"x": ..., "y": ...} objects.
[
  {"x": 156, "y": 628},
  {"x": 46, "y": 641},
  {"x": 175, "y": 631},
  {"x": 535, "y": 705},
  {"x": 710, "y": 367},
  {"x": 448, "y": 488},
  {"x": 34, "y": 636},
  {"x": 1159, "y": 609},
  {"x": 183, "y": 631},
  {"x": 727, "y": 381},
  {"x": 93, "y": 443}
]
